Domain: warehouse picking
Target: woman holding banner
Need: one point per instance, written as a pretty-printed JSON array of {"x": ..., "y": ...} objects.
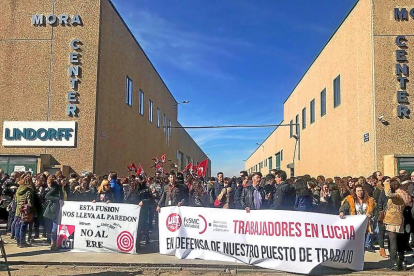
[
  {"x": 105, "y": 193},
  {"x": 359, "y": 203}
]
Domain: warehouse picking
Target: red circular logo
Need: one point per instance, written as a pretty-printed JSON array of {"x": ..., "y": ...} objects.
[
  {"x": 173, "y": 222},
  {"x": 125, "y": 241}
]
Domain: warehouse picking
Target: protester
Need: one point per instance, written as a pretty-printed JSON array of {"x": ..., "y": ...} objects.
[
  {"x": 105, "y": 193},
  {"x": 284, "y": 198},
  {"x": 24, "y": 214},
  {"x": 394, "y": 222},
  {"x": 141, "y": 195},
  {"x": 270, "y": 190},
  {"x": 252, "y": 196},
  {"x": 225, "y": 199},
  {"x": 54, "y": 198},
  {"x": 359, "y": 203},
  {"x": 237, "y": 194},
  {"x": 116, "y": 188},
  {"x": 198, "y": 195},
  {"x": 173, "y": 194},
  {"x": 304, "y": 197},
  {"x": 217, "y": 187}
]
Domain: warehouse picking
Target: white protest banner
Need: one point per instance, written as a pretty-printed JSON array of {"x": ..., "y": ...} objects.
[
  {"x": 98, "y": 227},
  {"x": 282, "y": 240}
]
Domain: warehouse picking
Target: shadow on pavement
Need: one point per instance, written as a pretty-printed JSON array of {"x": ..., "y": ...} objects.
[{"x": 34, "y": 253}]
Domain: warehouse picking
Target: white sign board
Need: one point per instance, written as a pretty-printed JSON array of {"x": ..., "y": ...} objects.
[
  {"x": 39, "y": 134},
  {"x": 98, "y": 227},
  {"x": 19, "y": 168},
  {"x": 282, "y": 240}
]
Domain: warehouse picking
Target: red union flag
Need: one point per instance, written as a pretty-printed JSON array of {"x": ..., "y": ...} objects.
[
  {"x": 160, "y": 168},
  {"x": 132, "y": 167},
  {"x": 188, "y": 167},
  {"x": 202, "y": 167},
  {"x": 163, "y": 158},
  {"x": 140, "y": 170}
]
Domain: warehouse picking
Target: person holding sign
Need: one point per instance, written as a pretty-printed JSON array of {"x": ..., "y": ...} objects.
[
  {"x": 173, "y": 195},
  {"x": 359, "y": 203},
  {"x": 253, "y": 197},
  {"x": 105, "y": 193}
]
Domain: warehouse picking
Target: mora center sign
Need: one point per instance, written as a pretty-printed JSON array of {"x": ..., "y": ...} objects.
[{"x": 39, "y": 134}]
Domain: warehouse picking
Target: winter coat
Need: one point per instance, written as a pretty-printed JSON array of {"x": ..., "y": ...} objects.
[
  {"x": 304, "y": 202},
  {"x": 270, "y": 190},
  {"x": 23, "y": 192},
  {"x": 198, "y": 201},
  {"x": 336, "y": 200},
  {"x": 117, "y": 190},
  {"x": 377, "y": 191},
  {"x": 247, "y": 198},
  {"x": 104, "y": 196},
  {"x": 284, "y": 198},
  {"x": 217, "y": 187},
  {"x": 369, "y": 189},
  {"x": 172, "y": 195},
  {"x": 142, "y": 193},
  {"x": 348, "y": 206},
  {"x": 52, "y": 197},
  {"x": 237, "y": 196},
  {"x": 395, "y": 207},
  {"x": 226, "y": 197}
]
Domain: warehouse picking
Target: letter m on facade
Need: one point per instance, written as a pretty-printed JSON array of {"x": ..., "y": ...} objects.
[
  {"x": 401, "y": 15},
  {"x": 37, "y": 20}
]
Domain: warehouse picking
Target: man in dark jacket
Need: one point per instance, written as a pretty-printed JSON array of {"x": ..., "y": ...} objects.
[
  {"x": 270, "y": 189},
  {"x": 218, "y": 186},
  {"x": 238, "y": 189},
  {"x": 116, "y": 188},
  {"x": 253, "y": 196},
  {"x": 284, "y": 198},
  {"x": 173, "y": 195}
]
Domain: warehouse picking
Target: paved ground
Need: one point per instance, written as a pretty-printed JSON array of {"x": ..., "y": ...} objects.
[{"x": 39, "y": 260}]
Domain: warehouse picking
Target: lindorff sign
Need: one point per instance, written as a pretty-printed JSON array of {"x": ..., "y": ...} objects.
[{"x": 39, "y": 134}]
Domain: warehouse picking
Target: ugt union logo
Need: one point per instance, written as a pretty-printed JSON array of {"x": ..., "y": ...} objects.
[{"x": 173, "y": 222}]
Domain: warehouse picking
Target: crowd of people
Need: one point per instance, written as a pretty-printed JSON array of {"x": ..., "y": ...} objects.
[{"x": 33, "y": 202}]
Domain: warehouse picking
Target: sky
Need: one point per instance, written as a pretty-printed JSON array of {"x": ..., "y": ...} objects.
[{"x": 236, "y": 61}]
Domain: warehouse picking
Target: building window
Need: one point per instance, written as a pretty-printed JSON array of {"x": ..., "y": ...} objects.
[
  {"x": 291, "y": 128},
  {"x": 312, "y": 111},
  {"x": 337, "y": 91},
  {"x": 265, "y": 162},
  {"x": 304, "y": 118},
  {"x": 297, "y": 124},
  {"x": 151, "y": 111},
  {"x": 281, "y": 155},
  {"x": 128, "y": 91},
  {"x": 323, "y": 102},
  {"x": 158, "y": 117},
  {"x": 141, "y": 103},
  {"x": 169, "y": 128},
  {"x": 164, "y": 122}
]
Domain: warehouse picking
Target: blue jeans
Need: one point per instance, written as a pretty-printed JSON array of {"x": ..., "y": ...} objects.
[
  {"x": 51, "y": 230},
  {"x": 21, "y": 232},
  {"x": 13, "y": 227},
  {"x": 368, "y": 239},
  {"x": 54, "y": 232}
]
